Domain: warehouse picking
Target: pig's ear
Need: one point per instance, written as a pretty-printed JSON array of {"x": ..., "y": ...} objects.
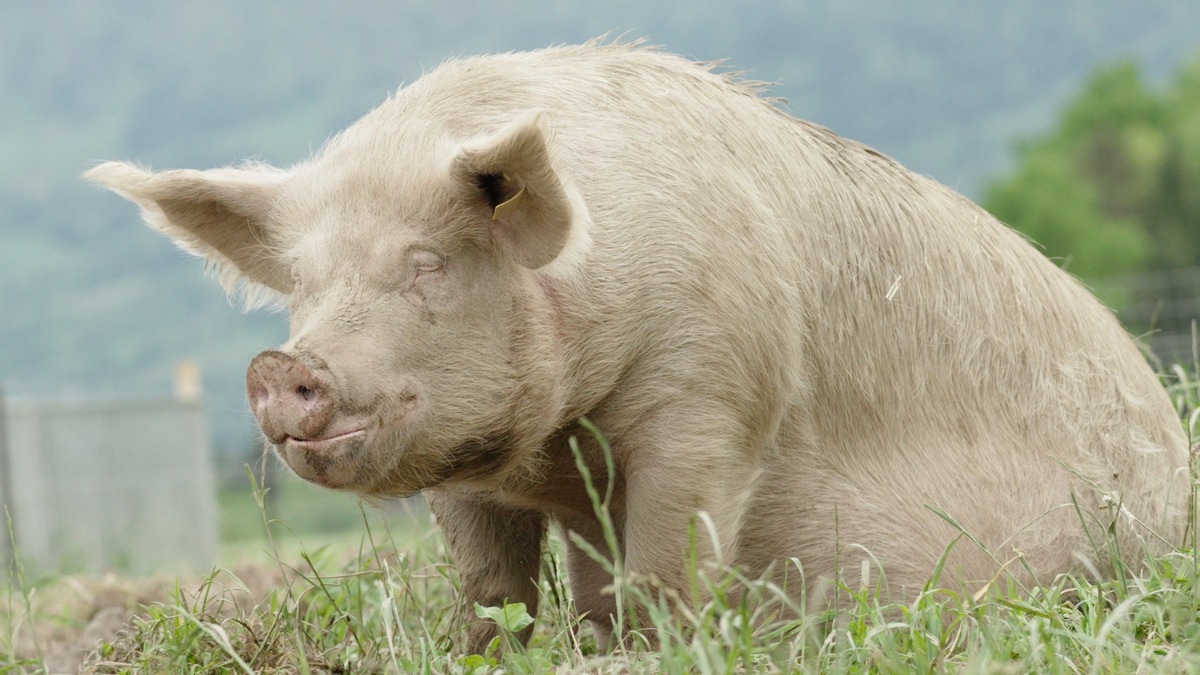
[
  {"x": 511, "y": 177},
  {"x": 221, "y": 215}
]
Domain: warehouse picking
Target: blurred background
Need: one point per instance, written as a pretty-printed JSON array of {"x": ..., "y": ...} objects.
[{"x": 1076, "y": 122}]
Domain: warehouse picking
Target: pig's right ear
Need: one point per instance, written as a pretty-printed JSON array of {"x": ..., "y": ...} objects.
[
  {"x": 510, "y": 175},
  {"x": 221, "y": 215}
]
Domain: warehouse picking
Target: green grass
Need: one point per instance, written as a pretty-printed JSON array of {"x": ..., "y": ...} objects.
[
  {"x": 303, "y": 515},
  {"x": 381, "y": 599},
  {"x": 380, "y": 609}
]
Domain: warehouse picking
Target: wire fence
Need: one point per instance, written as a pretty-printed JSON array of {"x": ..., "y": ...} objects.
[{"x": 1160, "y": 307}]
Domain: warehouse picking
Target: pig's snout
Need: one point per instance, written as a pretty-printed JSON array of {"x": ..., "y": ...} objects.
[{"x": 288, "y": 398}]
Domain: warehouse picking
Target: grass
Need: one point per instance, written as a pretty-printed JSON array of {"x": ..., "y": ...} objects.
[
  {"x": 382, "y": 600},
  {"x": 302, "y": 514},
  {"x": 386, "y": 610}
]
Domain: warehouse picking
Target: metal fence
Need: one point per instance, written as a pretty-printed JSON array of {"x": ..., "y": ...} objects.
[
  {"x": 95, "y": 485},
  {"x": 1161, "y": 307}
]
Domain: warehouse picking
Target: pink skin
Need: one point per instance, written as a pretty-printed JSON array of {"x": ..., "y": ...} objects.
[{"x": 297, "y": 413}]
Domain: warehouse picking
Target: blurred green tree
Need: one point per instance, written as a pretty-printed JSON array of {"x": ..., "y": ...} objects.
[{"x": 1115, "y": 186}]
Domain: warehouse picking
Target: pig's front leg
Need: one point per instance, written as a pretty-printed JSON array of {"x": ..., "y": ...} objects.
[
  {"x": 672, "y": 468},
  {"x": 670, "y": 480},
  {"x": 498, "y": 554}
]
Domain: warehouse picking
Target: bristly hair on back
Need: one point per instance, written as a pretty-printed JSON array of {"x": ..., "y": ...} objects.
[{"x": 738, "y": 78}]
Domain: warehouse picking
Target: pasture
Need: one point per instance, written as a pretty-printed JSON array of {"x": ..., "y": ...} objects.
[{"x": 314, "y": 583}]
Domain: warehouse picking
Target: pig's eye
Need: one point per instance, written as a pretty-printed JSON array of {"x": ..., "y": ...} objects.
[
  {"x": 431, "y": 266},
  {"x": 427, "y": 262}
]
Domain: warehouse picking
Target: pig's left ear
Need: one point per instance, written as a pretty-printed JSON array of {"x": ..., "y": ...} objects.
[
  {"x": 511, "y": 176},
  {"x": 222, "y": 215}
]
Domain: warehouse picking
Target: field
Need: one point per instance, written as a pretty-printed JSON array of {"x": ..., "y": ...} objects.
[{"x": 315, "y": 583}]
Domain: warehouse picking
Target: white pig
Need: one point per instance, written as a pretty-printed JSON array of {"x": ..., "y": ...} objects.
[{"x": 770, "y": 324}]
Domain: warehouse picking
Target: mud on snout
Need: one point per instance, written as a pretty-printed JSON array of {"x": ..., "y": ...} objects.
[{"x": 296, "y": 402}]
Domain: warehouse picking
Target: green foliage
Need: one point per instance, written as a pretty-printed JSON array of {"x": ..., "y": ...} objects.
[
  {"x": 512, "y": 618},
  {"x": 1059, "y": 210},
  {"x": 1115, "y": 187}
]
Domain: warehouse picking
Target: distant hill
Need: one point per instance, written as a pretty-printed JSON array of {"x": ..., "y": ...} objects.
[{"x": 92, "y": 304}]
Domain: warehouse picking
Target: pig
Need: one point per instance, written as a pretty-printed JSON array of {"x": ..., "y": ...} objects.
[{"x": 791, "y": 344}]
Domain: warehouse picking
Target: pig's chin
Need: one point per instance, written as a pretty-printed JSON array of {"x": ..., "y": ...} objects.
[{"x": 334, "y": 462}]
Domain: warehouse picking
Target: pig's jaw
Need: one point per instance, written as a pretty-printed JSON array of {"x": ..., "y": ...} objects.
[{"x": 332, "y": 462}]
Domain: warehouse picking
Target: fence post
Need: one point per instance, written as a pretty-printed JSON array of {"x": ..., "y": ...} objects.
[{"x": 7, "y": 500}]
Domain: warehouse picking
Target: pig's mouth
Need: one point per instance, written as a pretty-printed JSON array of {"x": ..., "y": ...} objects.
[
  {"x": 321, "y": 444},
  {"x": 332, "y": 461}
]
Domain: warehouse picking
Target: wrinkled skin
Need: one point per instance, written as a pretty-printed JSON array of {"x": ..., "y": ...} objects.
[{"x": 784, "y": 336}]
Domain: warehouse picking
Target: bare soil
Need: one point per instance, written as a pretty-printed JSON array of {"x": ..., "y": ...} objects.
[{"x": 70, "y": 618}]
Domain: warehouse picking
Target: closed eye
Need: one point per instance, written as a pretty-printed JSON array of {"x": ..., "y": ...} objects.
[
  {"x": 427, "y": 262},
  {"x": 431, "y": 267}
]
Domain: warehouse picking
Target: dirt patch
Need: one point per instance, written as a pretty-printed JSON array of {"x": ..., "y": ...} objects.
[{"x": 71, "y": 618}]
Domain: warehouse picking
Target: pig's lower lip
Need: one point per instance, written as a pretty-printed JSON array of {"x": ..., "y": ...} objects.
[
  {"x": 332, "y": 462},
  {"x": 319, "y": 444}
]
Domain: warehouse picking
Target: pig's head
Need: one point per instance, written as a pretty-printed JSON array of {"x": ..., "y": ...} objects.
[{"x": 422, "y": 341}]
